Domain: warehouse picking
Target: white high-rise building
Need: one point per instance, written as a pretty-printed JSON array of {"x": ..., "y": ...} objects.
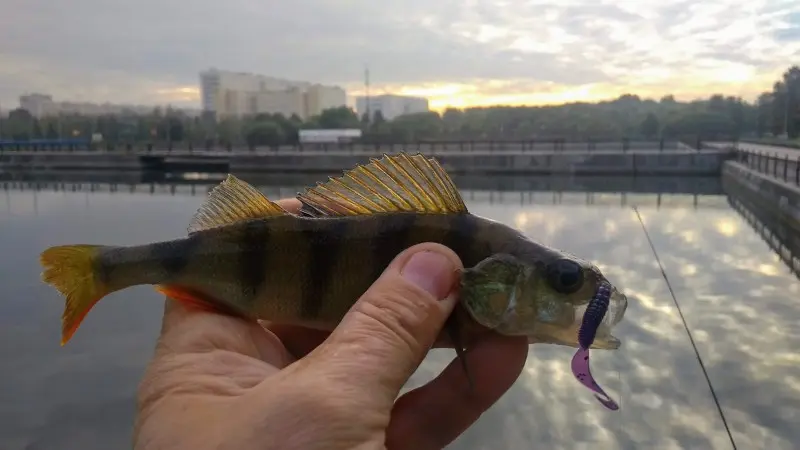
[
  {"x": 391, "y": 106},
  {"x": 226, "y": 93}
]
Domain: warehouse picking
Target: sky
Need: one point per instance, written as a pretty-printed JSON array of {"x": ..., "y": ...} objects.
[{"x": 455, "y": 52}]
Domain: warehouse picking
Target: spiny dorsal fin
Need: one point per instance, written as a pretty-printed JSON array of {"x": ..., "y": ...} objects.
[
  {"x": 232, "y": 201},
  {"x": 396, "y": 183}
]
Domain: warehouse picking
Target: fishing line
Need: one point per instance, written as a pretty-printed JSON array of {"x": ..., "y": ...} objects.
[{"x": 686, "y": 326}]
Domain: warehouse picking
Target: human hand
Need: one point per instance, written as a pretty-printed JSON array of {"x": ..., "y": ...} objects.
[{"x": 219, "y": 382}]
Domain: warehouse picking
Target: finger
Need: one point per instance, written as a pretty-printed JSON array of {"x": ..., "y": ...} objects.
[
  {"x": 389, "y": 330},
  {"x": 299, "y": 341},
  {"x": 291, "y": 205},
  {"x": 432, "y": 416}
]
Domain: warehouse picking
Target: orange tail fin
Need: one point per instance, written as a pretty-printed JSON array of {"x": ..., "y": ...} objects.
[{"x": 70, "y": 269}]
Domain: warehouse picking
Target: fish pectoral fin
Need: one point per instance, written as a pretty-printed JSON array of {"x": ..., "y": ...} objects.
[
  {"x": 189, "y": 297},
  {"x": 393, "y": 183},
  {"x": 453, "y": 329},
  {"x": 233, "y": 201}
]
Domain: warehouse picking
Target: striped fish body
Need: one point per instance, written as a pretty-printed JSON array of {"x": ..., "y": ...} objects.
[
  {"x": 294, "y": 269},
  {"x": 247, "y": 256}
]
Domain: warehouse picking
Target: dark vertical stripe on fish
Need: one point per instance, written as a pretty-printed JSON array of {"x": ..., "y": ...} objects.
[
  {"x": 325, "y": 245},
  {"x": 390, "y": 240},
  {"x": 107, "y": 261},
  {"x": 253, "y": 258},
  {"x": 460, "y": 239},
  {"x": 175, "y": 256}
]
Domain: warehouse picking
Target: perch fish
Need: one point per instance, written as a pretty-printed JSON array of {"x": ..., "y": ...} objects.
[{"x": 245, "y": 255}]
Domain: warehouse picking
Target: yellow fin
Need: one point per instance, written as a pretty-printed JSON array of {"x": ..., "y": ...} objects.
[
  {"x": 232, "y": 201},
  {"x": 70, "y": 269},
  {"x": 396, "y": 183}
]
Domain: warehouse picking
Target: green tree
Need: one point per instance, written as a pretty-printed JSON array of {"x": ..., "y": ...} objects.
[
  {"x": 264, "y": 132},
  {"x": 650, "y": 126},
  {"x": 335, "y": 118},
  {"x": 709, "y": 125},
  {"x": 20, "y": 124},
  {"x": 764, "y": 113}
]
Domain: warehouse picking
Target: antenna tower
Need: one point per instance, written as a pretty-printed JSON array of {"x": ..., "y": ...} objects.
[{"x": 366, "y": 88}]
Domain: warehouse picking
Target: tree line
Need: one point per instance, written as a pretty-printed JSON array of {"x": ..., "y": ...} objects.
[{"x": 718, "y": 117}]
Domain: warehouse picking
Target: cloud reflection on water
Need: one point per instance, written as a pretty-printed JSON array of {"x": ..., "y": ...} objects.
[{"x": 80, "y": 396}]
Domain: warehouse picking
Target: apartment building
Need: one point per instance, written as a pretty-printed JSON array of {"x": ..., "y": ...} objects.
[
  {"x": 320, "y": 98},
  {"x": 391, "y": 106},
  {"x": 237, "y": 94},
  {"x": 291, "y": 101},
  {"x": 39, "y": 105}
]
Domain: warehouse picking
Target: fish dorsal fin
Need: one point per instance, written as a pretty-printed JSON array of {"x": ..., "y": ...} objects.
[
  {"x": 232, "y": 201},
  {"x": 396, "y": 183}
]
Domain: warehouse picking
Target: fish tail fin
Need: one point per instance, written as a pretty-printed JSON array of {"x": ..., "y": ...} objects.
[{"x": 71, "y": 270}]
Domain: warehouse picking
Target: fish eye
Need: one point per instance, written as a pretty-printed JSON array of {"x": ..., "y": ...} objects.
[{"x": 565, "y": 276}]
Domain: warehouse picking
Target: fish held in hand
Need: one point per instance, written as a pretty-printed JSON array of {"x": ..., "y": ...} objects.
[{"x": 245, "y": 255}]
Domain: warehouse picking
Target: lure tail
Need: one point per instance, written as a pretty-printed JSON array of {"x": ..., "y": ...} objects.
[{"x": 71, "y": 270}]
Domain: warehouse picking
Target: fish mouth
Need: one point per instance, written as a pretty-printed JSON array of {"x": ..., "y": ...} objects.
[
  {"x": 568, "y": 336},
  {"x": 594, "y": 317},
  {"x": 616, "y": 304}
]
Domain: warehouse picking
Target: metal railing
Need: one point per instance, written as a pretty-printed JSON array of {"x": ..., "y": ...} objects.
[
  {"x": 656, "y": 200},
  {"x": 779, "y": 166},
  {"x": 553, "y": 145}
]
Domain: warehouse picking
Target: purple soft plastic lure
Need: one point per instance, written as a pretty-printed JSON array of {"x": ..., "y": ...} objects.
[{"x": 592, "y": 319}]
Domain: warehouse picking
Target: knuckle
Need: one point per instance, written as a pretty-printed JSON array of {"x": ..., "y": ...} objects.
[{"x": 402, "y": 311}]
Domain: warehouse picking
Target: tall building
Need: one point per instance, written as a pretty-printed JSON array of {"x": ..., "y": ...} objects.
[
  {"x": 38, "y": 105},
  {"x": 226, "y": 93},
  {"x": 391, "y": 106},
  {"x": 320, "y": 98},
  {"x": 287, "y": 102}
]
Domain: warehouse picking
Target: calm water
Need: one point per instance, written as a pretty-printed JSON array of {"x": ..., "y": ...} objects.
[{"x": 738, "y": 298}]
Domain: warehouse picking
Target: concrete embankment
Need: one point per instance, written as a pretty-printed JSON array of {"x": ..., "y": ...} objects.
[
  {"x": 605, "y": 184},
  {"x": 69, "y": 161},
  {"x": 770, "y": 196},
  {"x": 509, "y": 163},
  {"x": 631, "y": 162}
]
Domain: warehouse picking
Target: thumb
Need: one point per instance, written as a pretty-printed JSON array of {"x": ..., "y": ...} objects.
[{"x": 387, "y": 333}]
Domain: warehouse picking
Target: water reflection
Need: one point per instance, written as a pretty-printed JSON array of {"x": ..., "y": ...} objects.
[
  {"x": 777, "y": 234},
  {"x": 81, "y": 396}
]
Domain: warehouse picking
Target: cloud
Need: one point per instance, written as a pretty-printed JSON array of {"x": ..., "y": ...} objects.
[{"x": 465, "y": 51}]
